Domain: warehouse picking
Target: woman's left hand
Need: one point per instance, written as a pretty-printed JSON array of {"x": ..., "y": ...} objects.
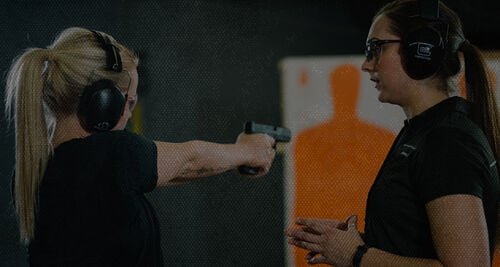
[{"x": 329, "y": 241}]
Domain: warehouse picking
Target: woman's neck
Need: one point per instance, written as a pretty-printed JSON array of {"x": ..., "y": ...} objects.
[
  {"x": 422, "y": 100},
  {"x": 68, "y": 128}
]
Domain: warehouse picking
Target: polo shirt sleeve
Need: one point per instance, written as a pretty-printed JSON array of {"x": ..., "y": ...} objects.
[
  {"x": 449, "y": 162},
  {"x": 135, "y": 162}
]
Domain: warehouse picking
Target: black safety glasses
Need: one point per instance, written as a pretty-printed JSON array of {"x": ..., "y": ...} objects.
[{"x": 374, "y": 47}]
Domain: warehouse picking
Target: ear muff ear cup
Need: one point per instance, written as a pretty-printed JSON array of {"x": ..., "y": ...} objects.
[
  {"x": 422, "y": 51},
  {"x": 101, "y": 106}
]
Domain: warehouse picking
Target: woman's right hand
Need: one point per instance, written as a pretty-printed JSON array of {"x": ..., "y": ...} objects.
[{"x": 259, "y": 151}]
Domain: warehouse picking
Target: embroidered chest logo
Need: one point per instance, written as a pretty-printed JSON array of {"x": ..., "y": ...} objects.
[{"x": 406, "y": 150}]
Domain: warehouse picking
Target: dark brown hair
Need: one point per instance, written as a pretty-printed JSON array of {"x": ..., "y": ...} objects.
[{"x": 404, "y": 15}]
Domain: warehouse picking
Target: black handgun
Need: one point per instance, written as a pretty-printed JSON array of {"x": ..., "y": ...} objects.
[{"x": 280, "y": 134}]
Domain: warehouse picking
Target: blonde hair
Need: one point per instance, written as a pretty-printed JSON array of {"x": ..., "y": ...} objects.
[{"x": 42, "y": 86}]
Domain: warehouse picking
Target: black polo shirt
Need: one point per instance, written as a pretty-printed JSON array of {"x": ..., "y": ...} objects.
[
  {"x": 92, "y": 209},
  {"x": 437, "y": 153}
]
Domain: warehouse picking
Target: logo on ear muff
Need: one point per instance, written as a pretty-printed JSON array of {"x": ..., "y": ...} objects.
[{"x": 422, "y": 52}]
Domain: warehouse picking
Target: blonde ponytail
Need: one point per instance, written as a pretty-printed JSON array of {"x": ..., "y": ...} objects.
[{"x": 25, "y": 94}]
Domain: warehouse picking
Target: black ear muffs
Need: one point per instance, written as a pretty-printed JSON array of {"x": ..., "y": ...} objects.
[
  {"x": 101, "y": 106},
  {"x": 102, "y": 103},
  {"x": 423, "y": 47},
  {"x": 422, "y": 51}
]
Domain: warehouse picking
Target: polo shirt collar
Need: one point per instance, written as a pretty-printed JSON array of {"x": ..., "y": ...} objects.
[{"x": 451, "y": 104}]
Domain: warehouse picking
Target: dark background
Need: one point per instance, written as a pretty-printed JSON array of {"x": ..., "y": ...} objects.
[{"x": 206, "y": 67}]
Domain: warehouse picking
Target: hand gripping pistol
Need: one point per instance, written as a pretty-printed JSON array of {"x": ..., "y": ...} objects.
[{"x": 280, "y": 134}]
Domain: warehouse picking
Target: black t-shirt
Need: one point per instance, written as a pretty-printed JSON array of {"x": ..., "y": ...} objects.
[
  {"x": 440, "y": 152},
  {"x": 92, "y": 210}
]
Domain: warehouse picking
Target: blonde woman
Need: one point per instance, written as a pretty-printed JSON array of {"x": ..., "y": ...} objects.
[{"x": 80, "y": 179}]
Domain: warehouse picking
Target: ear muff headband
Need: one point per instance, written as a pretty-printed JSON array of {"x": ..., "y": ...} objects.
[{"x": 113, "y": 58}]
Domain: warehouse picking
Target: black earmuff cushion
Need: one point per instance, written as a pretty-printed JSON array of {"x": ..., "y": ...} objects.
[
  {"x": 101, "y": 106},
  {"x": 422, "y": 52}
]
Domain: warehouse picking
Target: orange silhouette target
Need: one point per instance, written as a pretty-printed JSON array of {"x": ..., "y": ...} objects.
[{"x": 337, "y": 161}]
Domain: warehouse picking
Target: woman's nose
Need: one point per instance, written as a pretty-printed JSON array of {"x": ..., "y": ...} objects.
[{"x": 368, "y": 65}]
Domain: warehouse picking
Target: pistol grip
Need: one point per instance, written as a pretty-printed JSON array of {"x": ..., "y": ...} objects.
[{"x": 248, "y": 170}]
